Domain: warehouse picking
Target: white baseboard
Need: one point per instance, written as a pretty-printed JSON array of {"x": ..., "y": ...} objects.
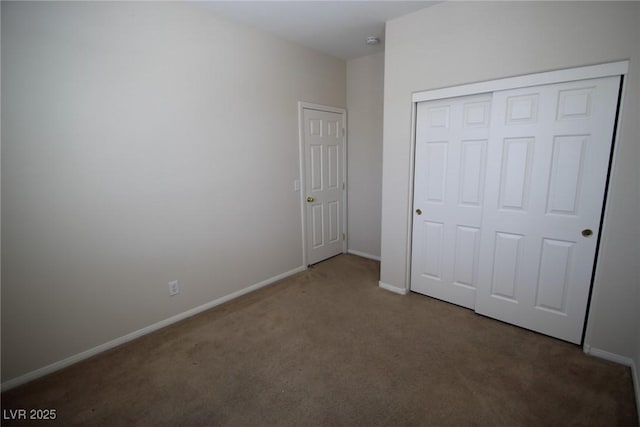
[
  {"x": 636, "y": 385},
  {"x": 394, "y": 289},
  {"x": 627, "y": 361},
  {"x": 363, "y": 254},
  {"x": 612, "y": 357},
  {"x": 30, "y": 376}
]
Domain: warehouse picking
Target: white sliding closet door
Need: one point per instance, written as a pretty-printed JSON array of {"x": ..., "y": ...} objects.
[
  {"x": 546, "y": 175},
  {"x": 508, "y": 195},
  {"x": 451, "y": 146}
]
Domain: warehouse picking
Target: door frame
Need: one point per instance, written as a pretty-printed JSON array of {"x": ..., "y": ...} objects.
[
  {"x": 619, "y": 68},
  {"x": 302, "y": 153}
]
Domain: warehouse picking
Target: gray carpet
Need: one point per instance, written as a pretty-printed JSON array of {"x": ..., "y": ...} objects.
[{"x": 328, "y": 347}]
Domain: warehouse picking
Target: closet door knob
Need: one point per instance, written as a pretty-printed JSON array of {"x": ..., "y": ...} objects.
[{"x": 419, "y": 211}]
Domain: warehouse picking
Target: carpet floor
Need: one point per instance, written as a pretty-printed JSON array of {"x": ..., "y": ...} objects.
[{"x": 328, "y": 347}]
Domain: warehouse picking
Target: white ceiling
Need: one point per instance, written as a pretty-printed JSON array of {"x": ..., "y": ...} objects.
[{"x": 338, "y": 28}]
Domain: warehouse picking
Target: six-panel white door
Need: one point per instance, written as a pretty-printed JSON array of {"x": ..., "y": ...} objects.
[
  {"x": 547, "y": 168},
  {"x": 451, "y": 146},
  {"x": 324, "y": 184}
]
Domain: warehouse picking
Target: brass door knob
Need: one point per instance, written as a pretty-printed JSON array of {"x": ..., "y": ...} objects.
[
  {"x": 419, "y": 211},
  {"x": 310, "y": 199},
  {"x": 587, "y": 232}
]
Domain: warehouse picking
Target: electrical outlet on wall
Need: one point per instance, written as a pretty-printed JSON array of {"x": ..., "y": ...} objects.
[{"x": 174, "y": 288}]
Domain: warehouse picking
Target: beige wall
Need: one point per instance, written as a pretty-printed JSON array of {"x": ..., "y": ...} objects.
[
  {"x": 365, "y": 83},
  {"x": 456, "y": 43},
  {"x": 142, "y": 143}
]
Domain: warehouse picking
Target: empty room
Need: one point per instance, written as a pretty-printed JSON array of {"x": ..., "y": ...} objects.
[{"x": 353, "y": 213}]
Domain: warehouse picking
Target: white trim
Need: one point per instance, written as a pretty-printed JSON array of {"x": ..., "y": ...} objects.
[
  {"x": 636, "y": 385},
  {"x": 393, "y": 289},
  {"x": 301, "y": 169},
  {"x": 622, "y": 360},
  {"x": 602, "y": 245},
  {"x": 612, "y": 357},
  {"x": 30, "y": 376},
  {"x": 318, "y": 107},
  {"x": 301, "y": 150},
  {"x": 549, "y": 77},
  {"x": 363, "y": 254},
  {"x": 412, "y": 170}
]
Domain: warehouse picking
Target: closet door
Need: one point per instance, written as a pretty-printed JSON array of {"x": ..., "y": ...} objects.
[
  {"x": 547, "y": 166},
  {"x": 450, "y": 157}
]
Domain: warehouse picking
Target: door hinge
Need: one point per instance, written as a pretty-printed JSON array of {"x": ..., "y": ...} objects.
[
  {"x": 343, "y": 186},
  {"x": 344, "y": 131},
  {"x": 344, "y": 237}
]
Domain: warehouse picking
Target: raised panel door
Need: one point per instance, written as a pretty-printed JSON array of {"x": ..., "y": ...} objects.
[
  {"x": 324, "y": 192},
  {"x": 547, "y": 166},
  {"x": 450, "y": 163}
]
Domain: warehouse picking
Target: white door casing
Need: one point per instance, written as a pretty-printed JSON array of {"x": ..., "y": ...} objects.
[
  {"x": 451, "y": 144},
  {"x": 520, "y": 256},
  {"x": 547, "y": 169},
  {"x": 323, "y": 190}
]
